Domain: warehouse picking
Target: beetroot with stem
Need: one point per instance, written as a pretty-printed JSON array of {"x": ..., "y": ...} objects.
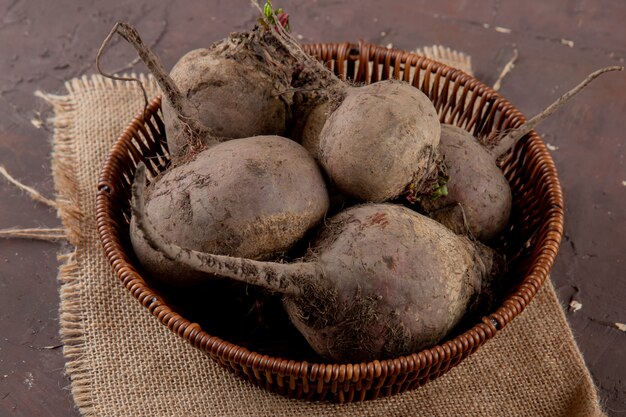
[
  {"x": 479, "y": 199},
  {"x": 377, "y": 140},
  {"x": 380, "y": 280},
  {"x": 374, "y": 141},
  {"x": 234, "y": 89}
]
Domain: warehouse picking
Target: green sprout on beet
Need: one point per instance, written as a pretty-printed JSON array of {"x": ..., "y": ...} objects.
[
  {"x": 438, "y": 188},
  {"x": 272, "y": 14}
]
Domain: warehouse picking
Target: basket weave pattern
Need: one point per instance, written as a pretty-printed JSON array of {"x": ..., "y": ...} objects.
[{"x": 532, "y": 239}]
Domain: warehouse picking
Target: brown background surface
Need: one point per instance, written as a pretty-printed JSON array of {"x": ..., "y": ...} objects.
[{"x": 43, "y": 43}]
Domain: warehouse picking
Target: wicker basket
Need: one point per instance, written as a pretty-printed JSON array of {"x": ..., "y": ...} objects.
[{"x": 532, "y": 239}]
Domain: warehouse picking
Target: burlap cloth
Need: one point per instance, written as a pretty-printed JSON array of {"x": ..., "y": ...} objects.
[{"x": 123, "y": 362}]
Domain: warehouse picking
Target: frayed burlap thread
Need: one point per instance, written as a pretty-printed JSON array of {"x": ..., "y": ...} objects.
[{"x": 123, "y": 362}]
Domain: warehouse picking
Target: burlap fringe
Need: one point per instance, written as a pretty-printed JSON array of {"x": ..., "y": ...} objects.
[
  {"x": 63, "y": 163},
  {"x": 69, "y": 210},
  {"x": 73, "y": 333}
]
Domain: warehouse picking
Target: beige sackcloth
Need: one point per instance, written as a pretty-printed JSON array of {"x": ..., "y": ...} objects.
[{"x": 123, "y": 362}]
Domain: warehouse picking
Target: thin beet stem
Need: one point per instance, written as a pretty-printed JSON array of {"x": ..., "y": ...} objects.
[
  {"x": 104, "y": 45},
  {"x": 510, "y": 138},
  {"x": 184, "y": 108},
  {"x": 276, "y": 277}
]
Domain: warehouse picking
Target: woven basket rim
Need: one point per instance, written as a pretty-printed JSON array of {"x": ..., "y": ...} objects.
[{"x": 454, "y": 349}]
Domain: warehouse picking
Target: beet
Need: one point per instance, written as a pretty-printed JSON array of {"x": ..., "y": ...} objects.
[
  {"x": 375, "y": 141},
  {"x": 382, "y": 138},
  {"x": 241, "y": 198},
  {"x": 478, "y": 198},
  {"x": 236, "y": 97}
]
